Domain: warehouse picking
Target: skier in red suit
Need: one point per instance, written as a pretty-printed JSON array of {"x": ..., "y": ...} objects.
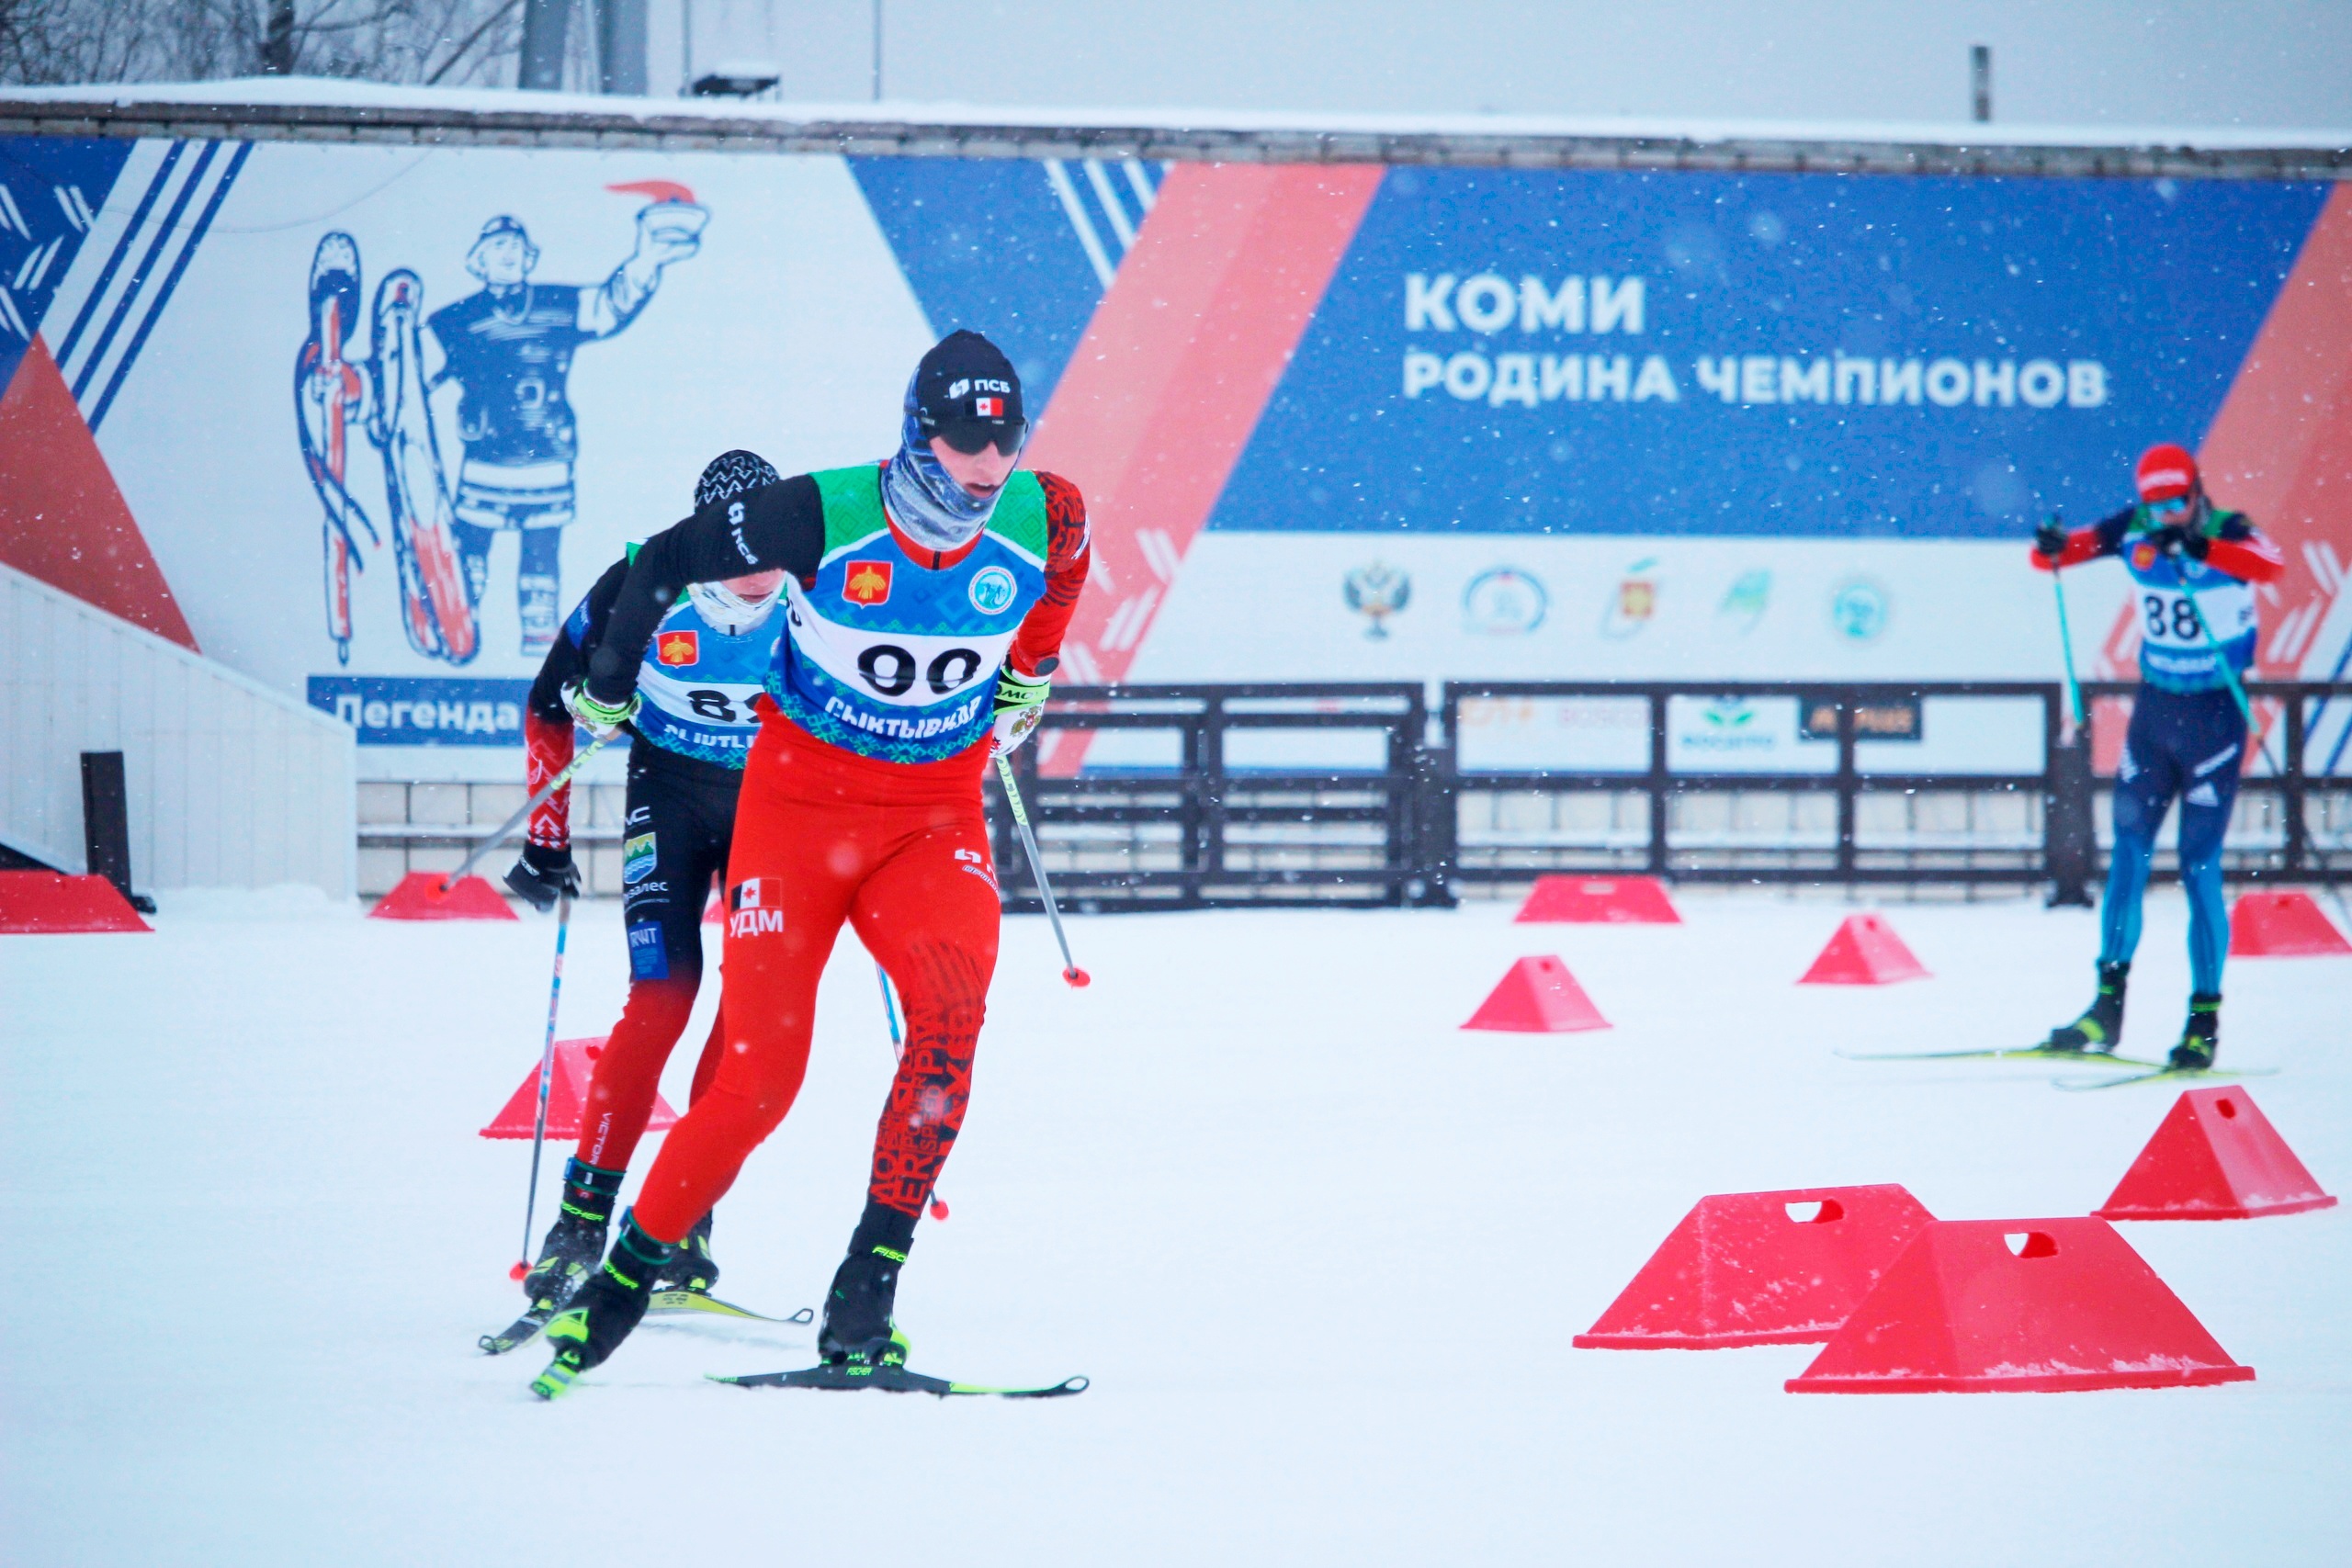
[{"x": 926, "y": 600}]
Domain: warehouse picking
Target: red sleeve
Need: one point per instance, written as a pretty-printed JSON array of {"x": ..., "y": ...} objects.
[
  {"x": 547, "y": 752},
  {"x": 2251, "y": 559},
  {"x": 2082, "y": 544},
  {"x": 1066, "y": 555}
]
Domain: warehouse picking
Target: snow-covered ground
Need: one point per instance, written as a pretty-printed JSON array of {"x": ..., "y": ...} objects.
[{"x": 1321, "y": 1252}]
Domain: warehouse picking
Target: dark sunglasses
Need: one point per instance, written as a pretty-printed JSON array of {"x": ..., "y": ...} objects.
[{"x": 973, "y": 439}]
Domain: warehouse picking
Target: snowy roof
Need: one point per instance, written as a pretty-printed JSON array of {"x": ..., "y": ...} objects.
[{"x": 309, "y": 108}]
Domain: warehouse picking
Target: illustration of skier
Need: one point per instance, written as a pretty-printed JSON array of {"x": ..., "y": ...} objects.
[
  {"x": 329, "y": 397},
  {"x": 507, "y": 350}
]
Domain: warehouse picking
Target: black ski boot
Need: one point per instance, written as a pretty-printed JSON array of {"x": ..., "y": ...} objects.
[
  {"x": 607, "y": 1307},
  {"x": 2101, "y": 1024},
  {"x": 693, "y": 1268},
  {"x": 858, "y": 1331},
  {"x": 2200, "y": 1038},
  {"x": 575, "y": 1242}
]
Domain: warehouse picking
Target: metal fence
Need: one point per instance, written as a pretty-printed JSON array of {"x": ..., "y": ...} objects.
[{"x": 1197, "y": 796}]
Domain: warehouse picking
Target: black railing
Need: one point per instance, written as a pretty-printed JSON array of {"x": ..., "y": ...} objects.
[
  {"x": 1171, "y": 818},
  {"x": 1182, "y": 803}
]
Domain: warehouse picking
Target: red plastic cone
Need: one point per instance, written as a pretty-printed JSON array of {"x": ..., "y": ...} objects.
[
  {"x": 1537, "y": 997},
  {"x": 2283, "y": 925},
  {"x": 2214, "y": 1157},
  {"x": 1761, "y": 1269},
  {"x": 1865, "y": 951},
  {"x": 43, "y": 903},
  {"x": 2019, "y": 1307},
  {"x": 1599, "y": 901},
  {"x": 419, "y": 897},
  {"x": 568, "y": 1079}
]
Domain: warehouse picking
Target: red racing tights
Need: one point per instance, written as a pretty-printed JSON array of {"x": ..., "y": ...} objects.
[{"x": 899, "y": 850}]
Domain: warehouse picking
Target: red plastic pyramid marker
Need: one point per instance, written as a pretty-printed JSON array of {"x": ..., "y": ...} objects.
[
  {"x": 2018, "y": 1306},
  {"x": 43, "y": 903},
  {"x": 419, "y": 897},
  {"x": 1599, "y": 901},
  {"x": 568, "y": 1079},
  {"x": 1537, "y": 997},
  {"x": 2214, "y": 1157},
  {"x": 1761, "y": 1269},
  {"x": 2283, "y": 925},
  {"x": 1865, "y": 951}
]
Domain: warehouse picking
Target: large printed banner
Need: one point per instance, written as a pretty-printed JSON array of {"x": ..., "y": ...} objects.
[{"x": 362, "y": 423}]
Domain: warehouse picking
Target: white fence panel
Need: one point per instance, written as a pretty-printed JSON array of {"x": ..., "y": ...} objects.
[{"x": 231, "y": 784}]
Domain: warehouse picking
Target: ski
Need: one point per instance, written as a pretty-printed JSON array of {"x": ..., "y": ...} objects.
[
  {"x": 519, "y": 1332},
  {"x": 2012, "y": 1053},
  {"x": 2163, "y": 1074},
  {"x": 683, "y": 1301},
  {"x": 893, "y": 1380}
]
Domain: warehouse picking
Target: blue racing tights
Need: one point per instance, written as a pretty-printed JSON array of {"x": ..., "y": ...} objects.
[{"x": 2188, "y": 744}]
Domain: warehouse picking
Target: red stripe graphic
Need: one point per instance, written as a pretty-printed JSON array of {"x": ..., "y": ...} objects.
[
  {"x": 62, "y": 519},
  {"x": 1175, "y": 368},
  {"x": 2280, "y": 450}
]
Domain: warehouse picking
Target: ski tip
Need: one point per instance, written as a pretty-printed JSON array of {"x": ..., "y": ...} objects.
[{"x": 805, "y": 1315}]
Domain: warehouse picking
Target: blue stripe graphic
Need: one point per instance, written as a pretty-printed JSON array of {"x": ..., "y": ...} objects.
[{"x": 171, "y": 282}]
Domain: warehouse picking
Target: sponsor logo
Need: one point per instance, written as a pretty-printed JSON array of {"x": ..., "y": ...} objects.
[
  {"x": 975, "y": 863},
  {"x": 1375, "y": 592},
  {"x": 2204, "y": 794},
  {"x": 647, "y": 958},
  {"x": 2143, "y": 555},
  {"x": 637, "y": 858},
  {"x": 1504, "y": 602},
  {"x": 1746, "y": 600},
  {"x": 993, "y": 589},
  {"x": 958, "y": 387},
  {"x": 735, "y": 527},
  {"x": 676, "y": 648},
  {"x": 866, "y": 583},
  {"x": 753, "y": 908},
  {"x": 1726, "y": 724},
  {"x": 1635, "y": 602},
  {"x": 1858, "y": 609},
  {"x": 1892, "y": 718}
]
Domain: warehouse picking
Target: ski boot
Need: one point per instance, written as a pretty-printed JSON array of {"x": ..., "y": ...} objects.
[
  {"x": 2101, "y": 1024},
  {"x": 575, "y": 1242},
  {"x": 858, "y": 1334},
  {"x": 693, "y": 1268},
  {"x": 2200, "y": 1038},
  {"x": 607, "y": 1307}
]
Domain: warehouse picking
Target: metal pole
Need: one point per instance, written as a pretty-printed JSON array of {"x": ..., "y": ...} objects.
[
  {"x": 547, "y": 1076},
  {"x": 545, "y": 23},
  {"x": 1071, "y": 971},
  {"x": 498, "y": 835}
]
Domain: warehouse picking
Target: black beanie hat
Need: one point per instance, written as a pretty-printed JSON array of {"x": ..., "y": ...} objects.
[
  {"x": 731, "y": 474},
  {"x": 965, "y": 382}
]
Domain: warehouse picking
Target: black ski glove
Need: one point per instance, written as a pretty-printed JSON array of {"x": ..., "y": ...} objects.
[
  {"x": 2172, "y": 539},
  {"x": 542, "y": 873},
  {"x": 2049, "y": 539}
]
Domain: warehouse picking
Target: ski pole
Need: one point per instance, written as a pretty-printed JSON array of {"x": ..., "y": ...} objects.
[
  {"x": 1071, "y": 971},
  {"x": 499, "y": 834},
  {"x": 547, "y": 1076},
  {"x": 2066, "y": 645},
  {"x": 2261, "y": 741},
  {"x": 890, "y": 1014}
]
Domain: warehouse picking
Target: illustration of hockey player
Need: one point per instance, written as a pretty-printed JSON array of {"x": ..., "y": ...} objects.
[{"x": 506, "y": 351}]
